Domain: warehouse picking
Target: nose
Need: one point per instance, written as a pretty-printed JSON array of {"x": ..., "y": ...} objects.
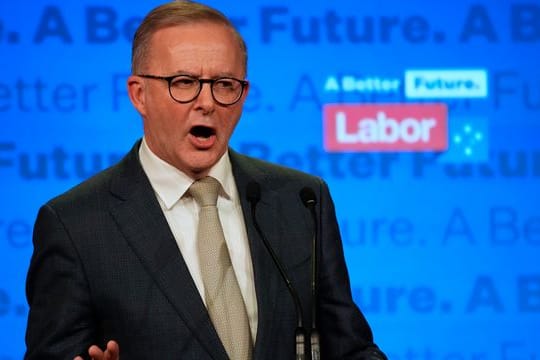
[{"x": 205, "y": 100}]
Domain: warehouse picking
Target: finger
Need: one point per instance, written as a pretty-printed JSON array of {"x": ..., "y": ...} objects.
[
  {"x": 113, "y": 351},
  {"x": 96, "y": 353},
  {"x": 113, "y": 347}
]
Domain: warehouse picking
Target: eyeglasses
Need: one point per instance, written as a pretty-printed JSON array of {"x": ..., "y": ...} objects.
[{"x": 185, "y": 88}]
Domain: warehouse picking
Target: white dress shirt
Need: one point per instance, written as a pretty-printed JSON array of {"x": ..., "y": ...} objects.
[{"x": 170, "y": 185}]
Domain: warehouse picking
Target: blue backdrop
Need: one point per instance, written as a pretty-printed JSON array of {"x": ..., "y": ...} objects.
[{"x": 442, "y": 247}]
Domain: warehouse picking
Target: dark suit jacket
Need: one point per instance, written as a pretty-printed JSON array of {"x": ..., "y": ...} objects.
[{"x": 106, "y": 266}]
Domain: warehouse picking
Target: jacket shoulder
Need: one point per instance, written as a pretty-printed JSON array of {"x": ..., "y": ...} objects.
[
  {"x": 272, "y": 172},
  {"x": 92, "y": 191}
]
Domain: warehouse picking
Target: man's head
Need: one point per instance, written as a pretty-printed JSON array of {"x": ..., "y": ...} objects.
[{"x": 191, "y": 39}]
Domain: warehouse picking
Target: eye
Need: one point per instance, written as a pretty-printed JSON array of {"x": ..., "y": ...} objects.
[
  {"x": 184, "y": 82},
  {"x": 226, "y": 84}
]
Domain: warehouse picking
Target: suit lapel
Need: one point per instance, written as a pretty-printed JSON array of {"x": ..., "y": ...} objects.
[
  {"x": 267, "y": 277},
  {"x": 141, "y": 220}
]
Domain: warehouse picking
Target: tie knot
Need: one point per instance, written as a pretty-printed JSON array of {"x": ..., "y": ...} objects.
[{"x": 205, "y": 191}]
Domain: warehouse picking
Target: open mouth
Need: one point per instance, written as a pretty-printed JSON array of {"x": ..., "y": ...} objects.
[{"x": 202, "y": 131}]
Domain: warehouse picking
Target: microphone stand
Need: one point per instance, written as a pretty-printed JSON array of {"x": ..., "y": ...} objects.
[
  {"x": 309, "y": 199},
  {"x": 253, "y": 195}
]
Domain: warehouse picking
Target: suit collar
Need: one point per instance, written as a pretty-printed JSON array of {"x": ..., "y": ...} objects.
[
  {"x": 142, "y": 222},
  {"x": 266, "y": 275},
  {"x": 140, "y": 219}
]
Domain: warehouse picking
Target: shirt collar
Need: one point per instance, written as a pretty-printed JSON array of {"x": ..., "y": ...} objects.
[{"x": 170, "y": 184}]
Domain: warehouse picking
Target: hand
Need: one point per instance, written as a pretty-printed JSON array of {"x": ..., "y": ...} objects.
[{"x": 112, "y": 352}]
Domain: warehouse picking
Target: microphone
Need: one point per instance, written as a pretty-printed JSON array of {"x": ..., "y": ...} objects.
[
  {"x": 307, "y": 195},
  {"x": 253, "y": 195}
]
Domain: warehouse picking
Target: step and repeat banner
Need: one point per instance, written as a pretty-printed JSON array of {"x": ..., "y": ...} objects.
[{"x": 423, "y": 117}]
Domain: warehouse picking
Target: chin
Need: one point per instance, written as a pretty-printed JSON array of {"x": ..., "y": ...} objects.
[{"x": 203, "y": 163}]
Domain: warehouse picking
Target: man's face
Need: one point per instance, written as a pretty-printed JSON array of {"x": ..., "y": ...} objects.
[{"x": 192, "y": 136}]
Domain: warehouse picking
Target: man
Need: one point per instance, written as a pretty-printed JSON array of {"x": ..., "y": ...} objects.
[{"x": 117, "y": 265}]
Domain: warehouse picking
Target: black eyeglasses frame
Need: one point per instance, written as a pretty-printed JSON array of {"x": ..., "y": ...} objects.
[{"x": 202, "y": 81}]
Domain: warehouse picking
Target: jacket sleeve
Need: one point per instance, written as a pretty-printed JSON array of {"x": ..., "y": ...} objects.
[
  {"x": 344, "y": 332},
  {"x": 60, "y": 324}
]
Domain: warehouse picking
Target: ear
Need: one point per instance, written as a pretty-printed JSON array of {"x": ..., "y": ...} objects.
[{"x": 135, "y": 87}]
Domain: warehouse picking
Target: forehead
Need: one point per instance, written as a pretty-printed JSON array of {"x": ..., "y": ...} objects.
[
  {"x": 199, "y": 30},
  {"x": 201, "y": 43}
]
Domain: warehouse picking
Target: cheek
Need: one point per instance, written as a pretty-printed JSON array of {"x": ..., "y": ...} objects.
[
  {"x": 167, "y": 117},
  {"x": 163, "y": 128},
  {"x": 230, "y": 125}
]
